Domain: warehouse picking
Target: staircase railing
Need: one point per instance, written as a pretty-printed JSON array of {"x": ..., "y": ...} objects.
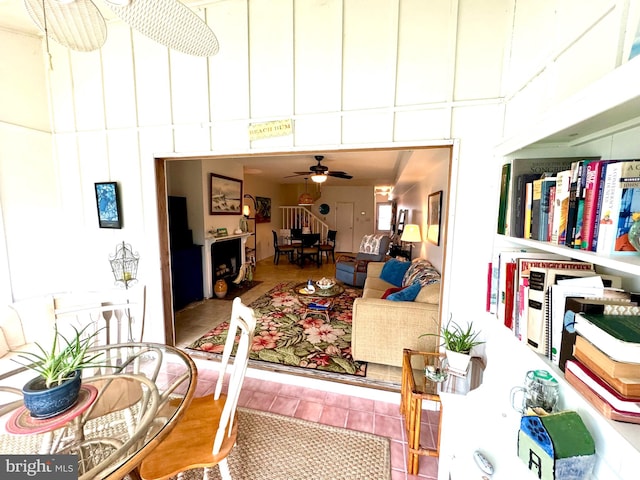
[{"x": 300, "y": 217}]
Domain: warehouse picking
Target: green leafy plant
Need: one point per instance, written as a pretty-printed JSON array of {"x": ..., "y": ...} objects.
[
  {"x": 456, "y": 338},
  {"x": 64, "y": 358}
]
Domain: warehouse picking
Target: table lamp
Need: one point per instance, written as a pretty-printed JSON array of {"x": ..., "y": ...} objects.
[{"x": 411, "y": 234}]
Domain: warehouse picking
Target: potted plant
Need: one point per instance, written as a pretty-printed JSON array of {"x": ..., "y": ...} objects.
[
  {"x": 57, "y": 386},
  {"x": 458, "y": 342}
]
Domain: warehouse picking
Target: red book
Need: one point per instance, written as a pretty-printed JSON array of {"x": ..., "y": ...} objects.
[
  {"x": 591, "y": 198},
  {"x": 509, "y": 292},
  {"x": 489, "y": 279},
  {"x": 584, "y": 387}
]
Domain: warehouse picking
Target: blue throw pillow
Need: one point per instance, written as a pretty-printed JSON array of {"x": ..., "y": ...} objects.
[
  {"x": 408, "y": 294},
  {"x": 393, "y": 271}
]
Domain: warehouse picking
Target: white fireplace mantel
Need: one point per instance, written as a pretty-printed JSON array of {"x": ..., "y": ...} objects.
[{"x": 207, "y": 280}]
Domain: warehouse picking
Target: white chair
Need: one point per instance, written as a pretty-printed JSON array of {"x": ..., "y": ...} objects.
[
  {"x": 207, "y": 432},
  {"x": 118, "y": 314}
]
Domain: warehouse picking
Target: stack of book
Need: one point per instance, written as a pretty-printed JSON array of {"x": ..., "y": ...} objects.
[
  {"x": 606, "y": 364},
  {"x": 588, "y": 204}
]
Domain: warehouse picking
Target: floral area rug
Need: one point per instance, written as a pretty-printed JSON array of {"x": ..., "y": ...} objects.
[{"x": 284, "y": 337}]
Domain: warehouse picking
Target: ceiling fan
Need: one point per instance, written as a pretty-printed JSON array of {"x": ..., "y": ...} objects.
[
  {"x": 79, "y": 24},
  {"x": 319, "y": 173}
]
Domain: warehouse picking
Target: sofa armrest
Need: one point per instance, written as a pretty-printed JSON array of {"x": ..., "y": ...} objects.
[
  {"x": 374, "y": 269},
  {"x": 383, "y": 328}
]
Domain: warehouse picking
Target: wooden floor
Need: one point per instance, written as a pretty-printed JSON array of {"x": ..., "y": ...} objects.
[{"x": 198, "y": 318}]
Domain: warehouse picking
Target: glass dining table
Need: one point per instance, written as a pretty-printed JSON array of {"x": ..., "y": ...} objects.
[{"x": 124, "y": 410}]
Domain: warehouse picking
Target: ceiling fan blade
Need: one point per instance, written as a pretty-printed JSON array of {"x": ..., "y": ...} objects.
[
  {"x": 78, "y": 25},
  {"x": 171, "y": 24},
  {"x": 297, "y": 174},
  {"x": 340, "y": 175}
]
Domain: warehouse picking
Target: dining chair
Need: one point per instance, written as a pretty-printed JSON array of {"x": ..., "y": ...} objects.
[
  {"x": 309, "y": 248},
  {"x": 207, "y": 432},
  {"x": 118, "y": 314},
  {"x": 328, "y": 247},
  {"x": 278, "y": 249}
]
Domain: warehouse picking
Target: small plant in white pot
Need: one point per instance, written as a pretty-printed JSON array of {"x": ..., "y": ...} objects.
[
  {"x": 458, "y": 342},
  {"x": 57, "y": 386}
]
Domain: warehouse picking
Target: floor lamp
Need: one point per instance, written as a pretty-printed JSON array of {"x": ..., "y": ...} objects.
[{"x": 411, "y": 234}]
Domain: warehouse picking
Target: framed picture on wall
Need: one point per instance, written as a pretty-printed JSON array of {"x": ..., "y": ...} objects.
[
  {"x": 433, "y": 220},
  {"x": 108, "y": 203},
  {"x": 225, "y": 195},
  {"x": 263, "y": 210}
]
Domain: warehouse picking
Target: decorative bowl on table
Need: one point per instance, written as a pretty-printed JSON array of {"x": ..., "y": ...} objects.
[{"x": 325, "y": 283}]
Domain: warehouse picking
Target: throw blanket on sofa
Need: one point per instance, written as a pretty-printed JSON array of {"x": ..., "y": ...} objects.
[{"x": 370, "y": 244}]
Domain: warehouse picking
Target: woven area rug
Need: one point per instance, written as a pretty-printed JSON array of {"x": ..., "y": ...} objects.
[
  {"x": 275, "y": 447},
  {"x": 283, "y": 337}
]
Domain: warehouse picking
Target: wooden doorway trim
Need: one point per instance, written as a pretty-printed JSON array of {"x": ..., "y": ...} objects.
[{"x": 165, "y": 262}]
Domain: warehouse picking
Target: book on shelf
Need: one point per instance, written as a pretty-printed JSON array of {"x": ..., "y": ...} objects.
[
  {"x": 508, "y": 278},
  {"x": 573, "y": 305},
  {"x": 599, "y": 404},
  {"x": 628, "y": 387},
  {"x": 602, "y": 389},
  {"x": 523, "y": 269},
  {"x": 504, "y": 198},
  {"x": 612, "y": 368},
  {"x": 493, "y": 285},
  {"x": 490, "y": 299},
  {"x": 530, "y": 168},
  {"x": 629, "y": 211},
  {"x": 507, "y": 281},
  {"x": 580, "y": 198},
  {"x": 550, "y": 220},
  {"x": 596, "y": 219},
  {"x": 561, "y": 208},
  {"x": 540, "y": 207},
  {"x": 528, "y": 198},
  {"x": 557, "y": 296},
  {"x": 610, "y": 203},
  {"x": 509, "y": 294},
  {"x": 520, "y": 203},
  {"x": 591, "y": 200},
  {"x": 616, "y": 335},
  {"x": 540, "y": 279}
]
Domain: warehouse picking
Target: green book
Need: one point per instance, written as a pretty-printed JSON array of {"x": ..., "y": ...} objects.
[
  {"x": 618, "y": 336},
  {"x": 503, "y": 207}
]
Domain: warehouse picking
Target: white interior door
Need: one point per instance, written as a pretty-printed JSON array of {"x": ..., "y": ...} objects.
[{"x": 344, "y": 227}]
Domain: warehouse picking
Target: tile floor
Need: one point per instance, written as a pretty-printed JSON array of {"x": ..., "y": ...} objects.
[{"x": 340, "y": 406}]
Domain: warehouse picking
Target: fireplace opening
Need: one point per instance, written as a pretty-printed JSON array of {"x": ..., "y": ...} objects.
[{"x": 225, "y": 259}]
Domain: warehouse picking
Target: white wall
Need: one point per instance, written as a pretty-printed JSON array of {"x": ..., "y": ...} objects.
[{"x": 350, "y": 74}]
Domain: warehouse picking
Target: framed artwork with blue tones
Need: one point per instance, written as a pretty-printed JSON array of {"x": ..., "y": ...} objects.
[{"x": 108, "y": 203}]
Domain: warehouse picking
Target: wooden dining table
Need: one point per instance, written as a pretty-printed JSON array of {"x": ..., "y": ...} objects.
[{"x": 125, "y": 409}]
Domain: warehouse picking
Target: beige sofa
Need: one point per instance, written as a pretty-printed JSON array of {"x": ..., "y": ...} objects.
[{"x": 383, "y": 328}]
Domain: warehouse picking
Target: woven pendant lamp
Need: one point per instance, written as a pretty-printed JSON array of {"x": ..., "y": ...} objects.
[{"x": 305, "y": 199}]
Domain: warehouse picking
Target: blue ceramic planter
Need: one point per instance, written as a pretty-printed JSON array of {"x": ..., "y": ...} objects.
[{"x": 45, "y": 402}]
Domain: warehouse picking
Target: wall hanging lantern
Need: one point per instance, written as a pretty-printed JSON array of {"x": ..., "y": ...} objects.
[{"x": 124, "y": 265}]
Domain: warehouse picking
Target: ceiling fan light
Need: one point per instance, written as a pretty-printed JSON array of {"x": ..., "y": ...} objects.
[
  {"x": 119, "y": 3},
  {"x": 319, "y": 177}
]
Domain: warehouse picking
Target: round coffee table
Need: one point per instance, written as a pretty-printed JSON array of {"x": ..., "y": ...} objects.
[{"x": 319, "y": 301}]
